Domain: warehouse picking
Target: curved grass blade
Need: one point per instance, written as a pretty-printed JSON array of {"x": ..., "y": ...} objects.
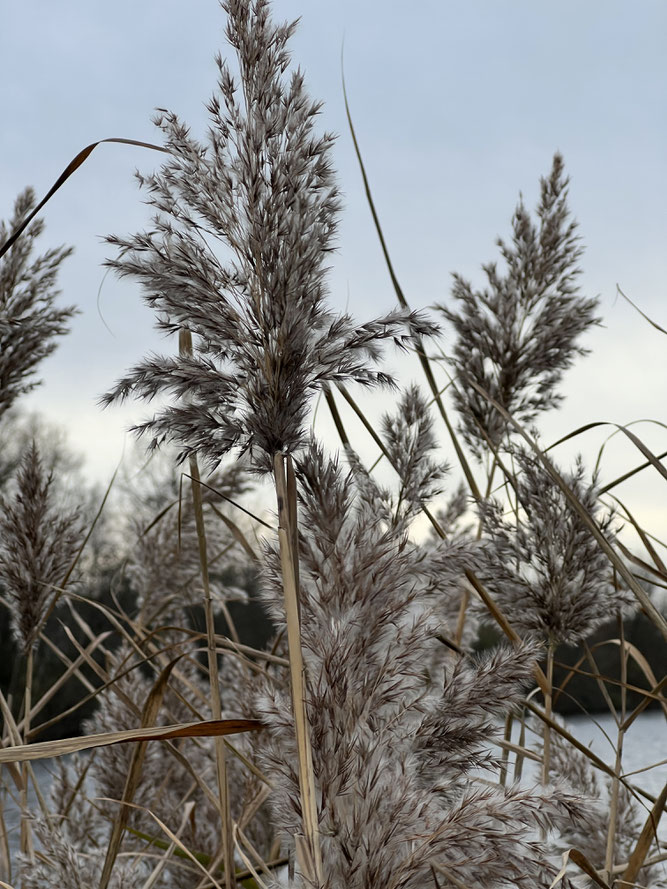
[
  {"x": 148, "y": 718},
  {"x": 400, "y": 296},
  {"x": 646, "y": 837},
  {"x": 644, "y": 316},
  {"x": 172, "y": 836},
  {"x": 650, "y": 549},
  {"x": 630, "y": 473},
  {"x": 72, "y": 167}
]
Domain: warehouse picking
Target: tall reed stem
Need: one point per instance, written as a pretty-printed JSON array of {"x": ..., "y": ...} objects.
[
  {"x": 548, "y": 704},
  {"x": 185, "y": 348},
  {"x": 307, "y": 847},
  {"x": 26, "y": 832},
  {"x": 505, "y": 754},
  {"x": 618, "y": 765}
]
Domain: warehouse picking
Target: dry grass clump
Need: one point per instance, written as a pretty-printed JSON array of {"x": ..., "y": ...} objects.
[{"x": 368, "y": 745}]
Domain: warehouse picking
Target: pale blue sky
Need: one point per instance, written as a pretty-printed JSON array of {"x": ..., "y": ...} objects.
[{"x": 458, "y": 106}]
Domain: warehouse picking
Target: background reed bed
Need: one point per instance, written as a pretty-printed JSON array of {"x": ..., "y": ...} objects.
[{"x": 396, "y": 724}]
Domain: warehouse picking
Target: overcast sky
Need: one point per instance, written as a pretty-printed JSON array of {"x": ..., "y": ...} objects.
[{"x": 458, "y": 106}]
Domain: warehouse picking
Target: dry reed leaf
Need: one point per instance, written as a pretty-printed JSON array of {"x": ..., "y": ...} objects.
[
  {"x": 210, "y": 728},
  {"x": 600, "y": 681},
  {"x": 600, "y": 763},
  {"x": 561, "y": 873},
  {"x": 72, "y": 167},
  {"x": 629, "y": 474},
  {"x": 261, "y": 863},
  {"x": 62, "y": 679},
  {"x": 636, "y": 307},
  {"x": 170, "y": 849},
  {"x": 249, "y": 865},
  {"x": 575, "y": 670},
  {"x": 172, "y": 836},
  {"x": 421, "y": 353},
  {"x": 643, "y": 665},
  {"x": 100, "y": 671},
  {"x": 640, "y": 563},
  {"x": 654, "y": 693},
  {"x": 646, "y": 838},
  {"x": 650, "y": 549},
  {"x": 644, "y": 704},
  {"x": 92, "y": 691},
  {"x": 584, "y": 864},
  {"x": 148, "y": 718},
  {"x": 236, "y": 532},
  {"x": 229, "y": 500}
]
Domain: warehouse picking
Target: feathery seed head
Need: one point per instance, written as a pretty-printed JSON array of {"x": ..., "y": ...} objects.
[
  {"x": 29, "y": 320},
  {"x": 547, "y": 573},
  {"x": 245, "y": 222},
  {"x": 38, "y": 542},
  {"x": 394, "y": 752},
  {"x": 516, "y": 337}
]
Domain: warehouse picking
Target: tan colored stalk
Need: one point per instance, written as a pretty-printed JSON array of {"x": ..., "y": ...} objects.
[
  {"x": 518, "y": 763},
  {"x": 26, "y": 833},
  {"x": 308, "y": 846},
  {"x": 600, "y": 683},
  {"x": 506, "y": 749},
  {"x": 618, "y": 765},
  {"x": 5, "y": 853},
  {"x": 548, "y": 705},
  {"x": 185, "y": 348}
]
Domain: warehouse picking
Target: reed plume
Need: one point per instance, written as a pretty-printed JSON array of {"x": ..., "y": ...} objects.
[
  {"x": 38, "y": 543},
  {"x": 30, "y": 322},
  {"x": 515, "y": 338},
  {"x": 236, "y": 264},
  {"x": 244, "y": 224},
  {"x": 395, "y": 748},
  {"x": 545, "y": 570}
]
